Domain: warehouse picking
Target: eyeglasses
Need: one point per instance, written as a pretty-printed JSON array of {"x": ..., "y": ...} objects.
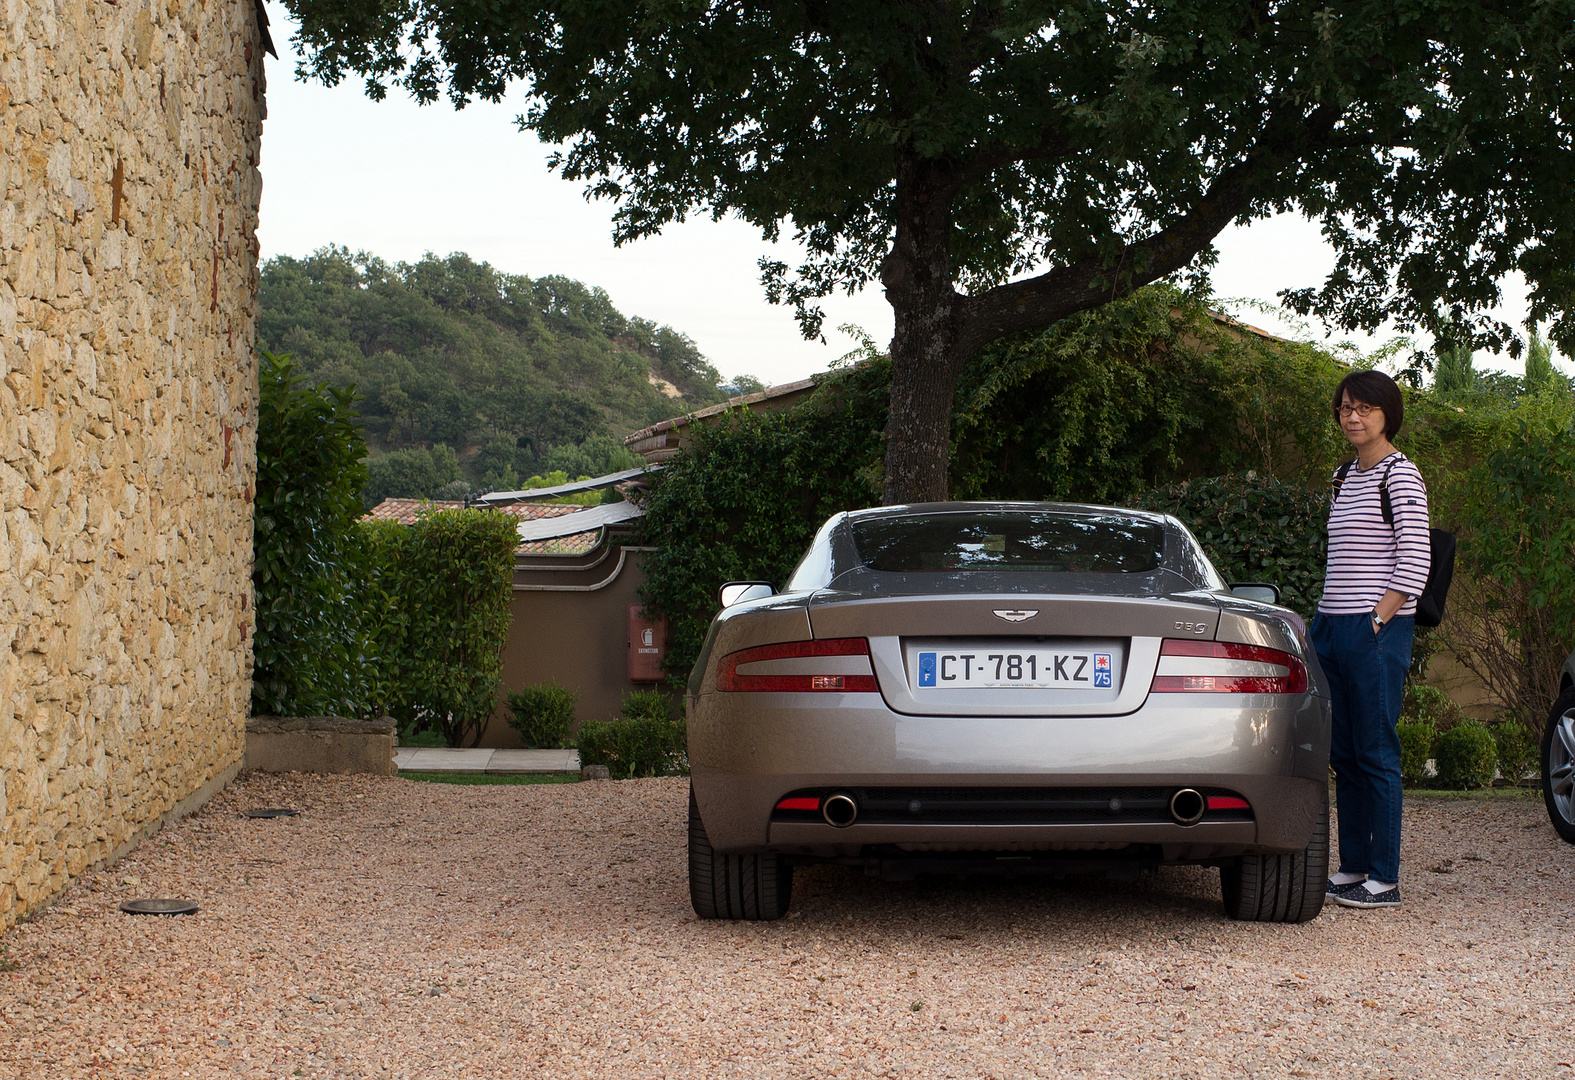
[{"x": 1361, "y": 409}]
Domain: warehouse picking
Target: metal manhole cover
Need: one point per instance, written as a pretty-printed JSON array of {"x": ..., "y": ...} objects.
[
  {"x": 159, "y": 907},
  {"x": 273, "y": 811}
]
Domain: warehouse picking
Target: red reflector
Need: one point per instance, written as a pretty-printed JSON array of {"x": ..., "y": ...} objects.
[
  {"x": 1294, "y": 682},
  {"x": 1226, "y": 802},
  {"x": 728, "y": 678},
  {"x": 810, "y": 804}
]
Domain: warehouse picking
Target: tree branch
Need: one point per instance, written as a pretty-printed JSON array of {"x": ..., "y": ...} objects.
[{"x": 1039, "y": 301}]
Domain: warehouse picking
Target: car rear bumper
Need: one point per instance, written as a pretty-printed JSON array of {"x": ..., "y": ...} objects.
[{"x": 747, "y": 751}]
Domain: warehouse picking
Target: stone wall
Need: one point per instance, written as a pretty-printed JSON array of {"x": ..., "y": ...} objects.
[{"x": 128, "y": 282}]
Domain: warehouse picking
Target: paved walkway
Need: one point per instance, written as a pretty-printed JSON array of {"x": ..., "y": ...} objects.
[{"x": 429, "y": 759}]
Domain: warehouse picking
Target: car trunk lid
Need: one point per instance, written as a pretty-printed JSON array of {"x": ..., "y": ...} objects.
[{"x": 1042, "y": 655}]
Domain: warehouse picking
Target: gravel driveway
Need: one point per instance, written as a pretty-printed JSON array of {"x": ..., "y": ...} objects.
[{"x": 403, "y": 929}]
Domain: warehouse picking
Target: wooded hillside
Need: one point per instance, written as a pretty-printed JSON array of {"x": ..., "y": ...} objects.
[{"x": 474, "y": 375}]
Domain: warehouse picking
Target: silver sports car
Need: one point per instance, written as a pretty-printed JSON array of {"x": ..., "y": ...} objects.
[{"x": 1007, "y": 687}]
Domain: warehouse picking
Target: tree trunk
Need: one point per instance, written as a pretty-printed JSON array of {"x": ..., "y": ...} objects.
[{"x": 924, "y": 356}]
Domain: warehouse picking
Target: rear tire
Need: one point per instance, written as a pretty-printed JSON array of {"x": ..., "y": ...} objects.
[
  {"x": 1280, "y": 888},
  {"x": 753, "y": 887},
  {"x": 1558, "y": 765}
]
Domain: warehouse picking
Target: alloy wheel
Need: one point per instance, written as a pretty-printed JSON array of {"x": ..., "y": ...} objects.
[{"x": 1561, "y": 766}]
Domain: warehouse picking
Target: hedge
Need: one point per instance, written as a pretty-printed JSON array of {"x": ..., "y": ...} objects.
[
  {"x": 310, "y": 646},
  {"x": 1256, "y": 528},
  {"x": 441, "y": 611},
  {"x": 645, "y": 740}
]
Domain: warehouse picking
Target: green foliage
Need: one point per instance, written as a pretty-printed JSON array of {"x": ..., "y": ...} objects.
[
  {"x": 646, "y": 705},
  {"x": 543, "y": 714},
  {"x": 740, "y": 385},
  {"x": 1541, "y": 375},
  {"x": 1517, "y": 599},
  {"x": 1043, "y": 135},
  {"x": 1429, "y": 705},
  {"x": 1256, "y": 528},
  {"x": 544, "y": 373},
  {"x": 1416, "y": 747},
  {"x": 1103, "y": 145},
  {"x": 310, "y": 649},
  {"x": 1455, "y": 373},
  {"x": 1145, "y": 390},
  {"x": 1518, "y": 749},
  {"x": 745, "y": 498},
  {"x": 644, "y": 741},
  {"x": 445, "y": 589},
  {"x": 597, "y": 455},
  {"x": 414, "y": 473},
  {"x": 1098, "y": 408},
  {"x": 1466, "y": 756}
]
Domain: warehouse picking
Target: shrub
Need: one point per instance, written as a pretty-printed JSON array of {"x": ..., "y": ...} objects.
[
  {"x": 743, "y": 501},
  {"x": 1511, "y": 618},
  {"x": 445, "y": 584},
  {"x": 543, "y": 714},
  {"x": 644, "y": 741},
  {"x": 1255, "y": 528},
  {"x": 1416, "y": 747},
  {"x": 1429, "y": 705},
  {"x": 646, "y": 705},
  {"x": 1466, "y": 756},
  {"x": 310, "y": 647},
  {"x": 1519, "y": 751}
]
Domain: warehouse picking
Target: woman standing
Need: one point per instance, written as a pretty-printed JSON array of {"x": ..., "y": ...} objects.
[{"x": 1378, "y": 564}]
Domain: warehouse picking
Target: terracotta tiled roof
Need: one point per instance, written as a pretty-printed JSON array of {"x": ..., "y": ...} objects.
[
  {"x": 578, "y": 544},
  {"x": 532, "y": 511},
  {"x": 405, "y": 511}
]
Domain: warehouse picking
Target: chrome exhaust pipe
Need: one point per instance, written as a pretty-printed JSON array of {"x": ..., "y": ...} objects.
[
  {"x": 839, "y": 810},
  {"x": 1187, "y": 806}
]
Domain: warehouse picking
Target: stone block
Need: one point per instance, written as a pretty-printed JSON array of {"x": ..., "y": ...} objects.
[
  {"x": 320, "y": 744},
  {"x": 127, "y": 290}
]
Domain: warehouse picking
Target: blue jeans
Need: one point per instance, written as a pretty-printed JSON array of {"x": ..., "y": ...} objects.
[{"x": 1366, "y": 674}]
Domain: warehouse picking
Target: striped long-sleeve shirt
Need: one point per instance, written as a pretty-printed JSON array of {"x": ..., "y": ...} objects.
[{"x": 1367, "y": 556}]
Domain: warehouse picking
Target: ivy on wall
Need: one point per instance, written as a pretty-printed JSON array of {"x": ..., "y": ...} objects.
[
  {"x": 1256, "y": 528},
  {"x": 1102, "y": 407},
  {"x": 744, "y": 499}
]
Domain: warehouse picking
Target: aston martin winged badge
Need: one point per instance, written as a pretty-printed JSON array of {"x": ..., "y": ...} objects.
[{"x": 1017, "y": 615}]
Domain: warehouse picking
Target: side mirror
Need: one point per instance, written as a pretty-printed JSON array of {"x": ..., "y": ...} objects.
[
  {"x": 735, "y": 592},
  {"x": 1262, "y": 592}
]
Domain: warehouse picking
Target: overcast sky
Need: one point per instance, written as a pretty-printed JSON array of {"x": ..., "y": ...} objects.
[{"x": 398, "y": 180}]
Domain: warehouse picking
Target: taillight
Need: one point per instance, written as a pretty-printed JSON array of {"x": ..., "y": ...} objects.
[
  {"x": 797, "y": 671},
  {"x": 1224, "y": 667}
]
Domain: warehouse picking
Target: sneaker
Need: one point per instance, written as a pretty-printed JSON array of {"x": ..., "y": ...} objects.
[
  {"x": 1331, "y": 888},
  {"x": 1358, "y": 896}
]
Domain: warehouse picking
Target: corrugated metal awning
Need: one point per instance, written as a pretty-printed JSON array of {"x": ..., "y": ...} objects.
[
  {"x": 493, "y": 498},
  {"x": 592, "y": 517}
]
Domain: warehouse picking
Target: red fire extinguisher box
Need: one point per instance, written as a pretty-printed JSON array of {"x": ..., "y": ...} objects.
[{"x": 647, "y": 646}]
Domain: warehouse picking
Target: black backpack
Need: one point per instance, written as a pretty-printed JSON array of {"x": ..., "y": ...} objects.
[{"x": 1441, "y": 568}]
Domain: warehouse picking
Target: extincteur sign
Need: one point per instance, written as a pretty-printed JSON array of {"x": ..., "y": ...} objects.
[{"x": 647, "y": 646}]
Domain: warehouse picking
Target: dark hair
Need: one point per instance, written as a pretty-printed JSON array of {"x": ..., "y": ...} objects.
[{"x": 1373, "y": 388}]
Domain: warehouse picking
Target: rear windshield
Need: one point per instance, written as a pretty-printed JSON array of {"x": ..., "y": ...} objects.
[{"x": 1045, "y": 542}]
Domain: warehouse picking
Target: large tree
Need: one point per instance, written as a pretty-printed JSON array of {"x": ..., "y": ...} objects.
[{"x": 999, "y": 165}]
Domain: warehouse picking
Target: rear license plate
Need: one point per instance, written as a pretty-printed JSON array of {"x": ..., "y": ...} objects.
[{"x": 1039, "y": 668}]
